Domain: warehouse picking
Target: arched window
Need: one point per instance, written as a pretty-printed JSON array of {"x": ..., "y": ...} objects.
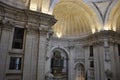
[
  {"x": 59, "y": 65},
  {"x": 79, "y": 72}
]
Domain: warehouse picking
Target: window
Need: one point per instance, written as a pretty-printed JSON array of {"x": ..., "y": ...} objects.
[
  {"x": 91, "y": 63},
  {"x": 15, "y": 63},
  {"x": 18, "y": 38},
  {"x": 119, "y": 49},
  {"x": 91, "y": 51}
]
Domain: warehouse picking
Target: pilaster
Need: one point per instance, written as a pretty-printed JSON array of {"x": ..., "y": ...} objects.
[
  {"x": 42, "y": 54},
  {"x": 105, "y": 59},
  {"x": 71, "y": 50},
  {"x": 5, "y": 34},
  {"x": 30, "y": 55}
]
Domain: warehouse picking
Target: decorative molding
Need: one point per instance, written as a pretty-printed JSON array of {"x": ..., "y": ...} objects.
[
  {"x": 98, "y": 38},
  {"x": 7, "y": 25},
  {"x": 25, "y": 17},
  {"x": 31, "y": 29}
]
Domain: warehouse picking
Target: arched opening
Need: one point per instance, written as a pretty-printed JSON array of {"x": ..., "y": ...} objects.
[
  {"x": 79, "y": 72},
  {"x": 58, "y": 65}
]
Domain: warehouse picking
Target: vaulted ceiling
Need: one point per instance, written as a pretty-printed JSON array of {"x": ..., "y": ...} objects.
[{"x": 76, "y": 17}]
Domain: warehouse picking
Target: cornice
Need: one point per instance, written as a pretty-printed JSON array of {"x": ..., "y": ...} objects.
[
  {"x": 99, "y": 37},
  {"x": 25, "y": 15}
]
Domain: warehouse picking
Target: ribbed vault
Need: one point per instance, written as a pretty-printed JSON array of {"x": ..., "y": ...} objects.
[
  {"x": 74, "y": 18},
  {"x": 114, "y": 18}
]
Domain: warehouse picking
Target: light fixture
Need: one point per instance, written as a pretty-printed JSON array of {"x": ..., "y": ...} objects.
[
  {"x": 107, "y": 27},
  {"x": 114, "y": 28},
  {"x": 59, "y": 34},
  {"x": 93, "y": 30}
]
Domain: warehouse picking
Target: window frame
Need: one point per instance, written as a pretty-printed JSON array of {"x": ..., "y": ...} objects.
[
  {"x": 13, "y": 65},
  {"x": 118, "y": 49},
  {"x": 92, "y": 64},
  {"x": 16, "y": 40},
  {"x": 13, "y": 77},
  {"x": 8, "y": 63},
  {"x": 12, "y": 50},
  {"x": 91, "y": 51}
]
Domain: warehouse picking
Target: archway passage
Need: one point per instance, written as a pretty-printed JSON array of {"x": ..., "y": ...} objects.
[
  {"x": 79, "y": 72},
  {"x": 59, "y": 64}
]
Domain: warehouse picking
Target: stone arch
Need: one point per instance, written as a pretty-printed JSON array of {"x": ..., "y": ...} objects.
[
  {"x": 113, "y": 22},
  {"x": 91, "y": 4},
  {"x": 79, "y": 71},
  {"x": 49, "y": 53},
  {"x": 64, "y": 55},
  {"x": 109, "y": 10},
  {"x": 52, "y": 5}
]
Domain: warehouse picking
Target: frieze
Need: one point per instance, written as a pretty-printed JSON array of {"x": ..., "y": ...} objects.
[{"x": 32, "y": 29}]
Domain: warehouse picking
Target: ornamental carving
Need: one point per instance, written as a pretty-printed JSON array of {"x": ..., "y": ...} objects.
[{"x": 98, "y": 38}]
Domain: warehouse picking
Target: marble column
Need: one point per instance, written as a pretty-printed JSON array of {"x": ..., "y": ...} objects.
[
  {"x": 42, "y": 55},
  {"x": 30, "y": 55}
]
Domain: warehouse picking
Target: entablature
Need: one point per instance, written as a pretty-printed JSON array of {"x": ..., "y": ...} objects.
[
  {"x": 24, "y": 17},
  {"x": 100, "y": 37}
]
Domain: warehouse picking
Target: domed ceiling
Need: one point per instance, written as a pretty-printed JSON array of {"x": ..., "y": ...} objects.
[{"x": 76, "y": 17}]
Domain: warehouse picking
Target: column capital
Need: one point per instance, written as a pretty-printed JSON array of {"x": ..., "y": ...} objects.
[
  {"x": 32, "y": 29},
  {"x": 6, "y": 24}
]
